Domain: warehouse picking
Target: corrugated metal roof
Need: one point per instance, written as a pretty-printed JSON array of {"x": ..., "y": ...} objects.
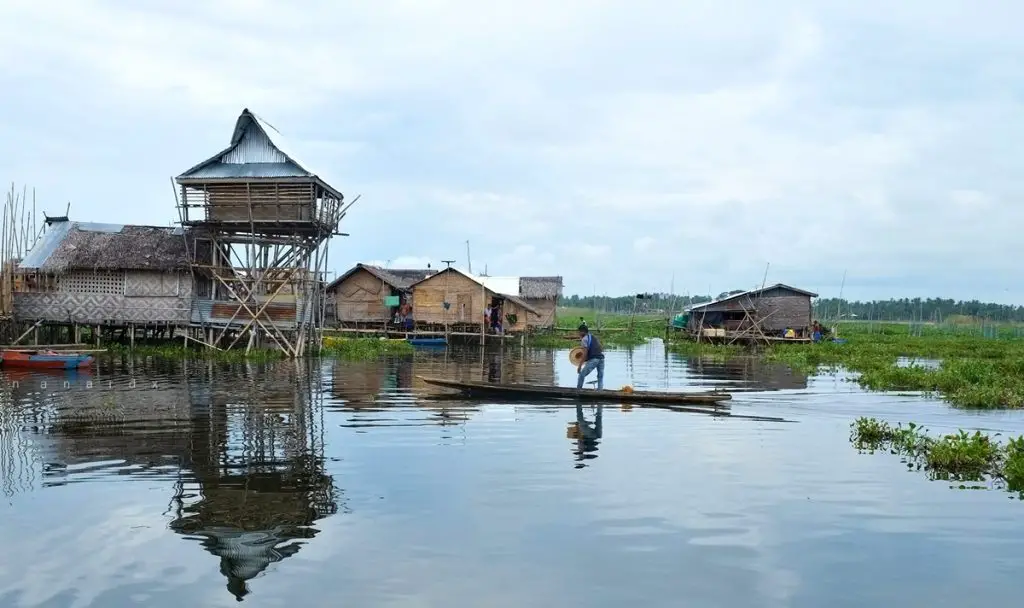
[
  {"x": 237, "y": 170},
  {"x": 98, "y": 227},
  {"x": 254, "y": 146},
  {"x": 254, "y": 141},
  {"x": 504, "y": 285},
  {"x": 45, "y": 246}
]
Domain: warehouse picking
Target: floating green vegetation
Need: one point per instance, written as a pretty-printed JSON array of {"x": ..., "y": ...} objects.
[
  {"x": 364, "y": 348},
  {"x": 179, "y": 351},
  {"x": 968, "y": 370},
  {"x": 958, "y": 457}
]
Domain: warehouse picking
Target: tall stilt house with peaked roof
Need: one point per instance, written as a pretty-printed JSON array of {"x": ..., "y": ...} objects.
[{"x": 266, "y": 220}]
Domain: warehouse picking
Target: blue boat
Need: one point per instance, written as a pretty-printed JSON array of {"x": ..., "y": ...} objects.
[
  {"x": 427, "y": 341},
  {"x": 45, "y": 359}
]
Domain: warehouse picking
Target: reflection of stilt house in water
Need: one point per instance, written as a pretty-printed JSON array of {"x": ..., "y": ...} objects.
[
  {"x": 249, "y": 453},
  {"x": 750, "y": 372},
  {"x": 757, "y": 315},
  {"x": 255, "y": 500},
  {"x": 266, "y": 220},
  {"x": 456, "y": 300},
  {"x": 108, "y": 275},
  {"x": 369, "y": 296}
]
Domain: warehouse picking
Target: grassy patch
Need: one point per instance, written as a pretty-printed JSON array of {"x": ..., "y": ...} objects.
[
  {"x": 364, "y": 348},
  {"x": 972, "y": 371},
  {"x": 612, "y": 329},
  {"x": 178, "y": 351},
  {"x": 959, "y": 457}
]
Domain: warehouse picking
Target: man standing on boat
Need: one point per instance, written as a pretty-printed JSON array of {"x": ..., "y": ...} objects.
[{"x": 593, "y": 360}]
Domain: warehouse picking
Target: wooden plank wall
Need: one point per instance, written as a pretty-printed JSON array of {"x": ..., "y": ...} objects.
[
  {"x": 466, "y": 298},
  {"x": 546, "y": 307},
  {"x": 360, "y": 298},
  {"x": 270, "y": 202}
]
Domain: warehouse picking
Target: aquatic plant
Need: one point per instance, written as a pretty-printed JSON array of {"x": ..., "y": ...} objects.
[
  {"x": 969, "y": 370},
  {"x": 364, "y": 348},
  {"x": 961, "y": 456},
  {"x": 179, "y": 351}
]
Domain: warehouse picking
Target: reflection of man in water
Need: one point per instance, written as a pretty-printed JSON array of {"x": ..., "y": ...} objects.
[
  {"x": 494, "y": 368},
  {"x": 587, "y": 435}
]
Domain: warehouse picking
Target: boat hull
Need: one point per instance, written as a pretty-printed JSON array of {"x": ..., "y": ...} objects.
[
  {"x": 710, "y": 399},
  {"x": 428, "y": 341},
  {"x": 33, "y": 360}
]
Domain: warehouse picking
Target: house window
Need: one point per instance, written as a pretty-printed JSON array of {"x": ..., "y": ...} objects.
[{"x": 107, "y": 283}]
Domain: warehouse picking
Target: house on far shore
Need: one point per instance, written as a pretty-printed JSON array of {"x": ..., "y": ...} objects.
[
  {"x": 771, "y": 310},
  {"x": 110, "y": 275},
  {"x": 542, "y": 293},
  {"x": 467, "y": 297},
  {"x": 370, "y": 295}
]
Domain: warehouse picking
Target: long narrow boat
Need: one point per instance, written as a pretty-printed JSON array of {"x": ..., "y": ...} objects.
[
  {"x": 487, "y": 389},
  {"x": 44, "y": 360}
]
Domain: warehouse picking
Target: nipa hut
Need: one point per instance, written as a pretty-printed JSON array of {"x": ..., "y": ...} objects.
[
  {"x": 457, "y": 300},
  {"x": 770, "y": 311},
  {"x": 542, "y": 293},
  {"x": 104, "y": 274},
  {"x": 369, "y": 294}
]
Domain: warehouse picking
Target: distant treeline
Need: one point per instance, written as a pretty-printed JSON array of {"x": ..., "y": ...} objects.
[
  {"x": 916, "y": 309},
  {"x": 903, "y": 309}
]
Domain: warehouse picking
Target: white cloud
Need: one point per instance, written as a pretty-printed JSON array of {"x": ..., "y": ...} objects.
[
  {"x": 644, "y": 244},
  {"x": 821, "y": 137}
]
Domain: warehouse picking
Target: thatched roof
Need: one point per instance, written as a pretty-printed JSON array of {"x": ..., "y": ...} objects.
[
  {"x": 548, "y": 288},
  {"x": 67, "y": 246},
  {"x": 398, "y": 278}
]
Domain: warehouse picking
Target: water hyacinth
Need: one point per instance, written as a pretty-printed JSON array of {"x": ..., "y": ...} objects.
[
  {"x": 972, "y": 371},
  {"x": 961, "y": 456}
]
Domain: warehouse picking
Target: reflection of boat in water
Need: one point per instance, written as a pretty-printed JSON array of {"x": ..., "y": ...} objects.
[
  {"x": 45, "y": 359},
  {"x": 487, "y": 389}
]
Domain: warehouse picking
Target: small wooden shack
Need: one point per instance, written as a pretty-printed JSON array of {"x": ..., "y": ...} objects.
[
  {"x": 772, "y": 311},
  {"x": 105, "y": 274},
  {"x": 361, "y": 295},
  {"x": 466, "y": 297},
  {"x": 542, "y": 293}
]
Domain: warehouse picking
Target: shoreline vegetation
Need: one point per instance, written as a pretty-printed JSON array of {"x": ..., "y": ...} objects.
[
  {"x": 969, "y": 366},
  {"x": 342, "y": 348},
  {"x": 959, "y": 457}
]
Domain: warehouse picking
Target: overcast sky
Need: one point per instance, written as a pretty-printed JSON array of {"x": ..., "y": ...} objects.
[{"x": 612, "y": 142}]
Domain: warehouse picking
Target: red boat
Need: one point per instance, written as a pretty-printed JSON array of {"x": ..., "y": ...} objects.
[{"x": 45, "y": 359}]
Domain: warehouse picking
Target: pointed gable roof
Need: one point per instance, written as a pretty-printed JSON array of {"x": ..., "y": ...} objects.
[
  {"x": 511, "y": 297},
  {"x": 257, "y": 151}
]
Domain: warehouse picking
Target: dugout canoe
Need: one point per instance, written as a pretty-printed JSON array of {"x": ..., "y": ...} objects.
[{"x": 521, "y": 391}]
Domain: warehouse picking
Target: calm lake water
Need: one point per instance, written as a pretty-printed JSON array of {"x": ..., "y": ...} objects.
[{"x": 338, "y": 484}]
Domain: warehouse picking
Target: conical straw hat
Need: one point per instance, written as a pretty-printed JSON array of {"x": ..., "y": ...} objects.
[{"x": 577, "y": 355}]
